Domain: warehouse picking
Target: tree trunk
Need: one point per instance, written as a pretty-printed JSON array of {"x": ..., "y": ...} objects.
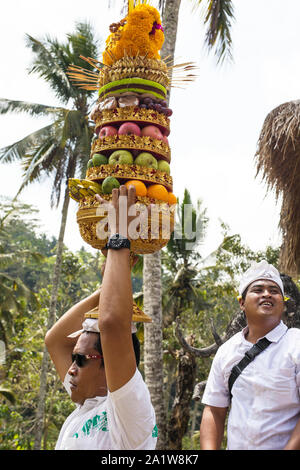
[
  {"x": 38, "y": 432},
  {"x": 153, "y": 353},
  {"x": 153, "y": 350},
  {"x": 170, "y": 25},
  {"x": 180, "y": 414}
]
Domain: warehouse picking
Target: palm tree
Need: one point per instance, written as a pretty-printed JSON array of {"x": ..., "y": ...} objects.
[
  {"x": 218, "y": 17},
  {"x": 59, "y": 150}
]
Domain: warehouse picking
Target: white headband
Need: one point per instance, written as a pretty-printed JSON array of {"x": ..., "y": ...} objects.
[
  {"x": 261, "y": 270},
  {"x": 91, "y": 324}
]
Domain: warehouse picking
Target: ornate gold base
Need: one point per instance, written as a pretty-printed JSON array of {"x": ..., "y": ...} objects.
[
  {"x": 153, "y": 237},
  {"x": 130, "y": 172},
  {"x": 133, "y": 114},
  {"x": 137, "y": 316},
  {"x": 132, "y": 142}
]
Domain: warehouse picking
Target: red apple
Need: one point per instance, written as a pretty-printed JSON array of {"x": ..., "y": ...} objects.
[
  {"x": 165, "y": 139},
  {"x": 152, "y": 131},
  {"x": 107, "y": 131},
  {"x": 129, "y": 128}
]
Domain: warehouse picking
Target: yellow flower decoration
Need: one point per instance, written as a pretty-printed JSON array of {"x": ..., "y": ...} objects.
[{"x": 140, "y": 33}]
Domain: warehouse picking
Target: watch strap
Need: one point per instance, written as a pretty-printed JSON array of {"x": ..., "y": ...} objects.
[{"x": 117, "y": 242}]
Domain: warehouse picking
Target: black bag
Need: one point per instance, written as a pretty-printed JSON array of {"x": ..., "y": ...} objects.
[{"x": 256, "y": 349}]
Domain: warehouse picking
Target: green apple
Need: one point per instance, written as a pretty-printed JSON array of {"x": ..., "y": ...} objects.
[
  {"x": 99, "y": 159},
  {"x": 164, "y": 166},
  {"x": 109, "y": 184},
  {"x": 123, "y": 157},
  {"x": 146, "y": 159},
  {"x": 90, "y": 164}
]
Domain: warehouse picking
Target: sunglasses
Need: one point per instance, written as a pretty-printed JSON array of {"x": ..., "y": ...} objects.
[{"x": 81, "y": 359}]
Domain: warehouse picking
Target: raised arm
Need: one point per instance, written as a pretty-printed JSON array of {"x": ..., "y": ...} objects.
[
  {"x": 59, "y": 346},
  {"x": 116, "y": 301}
]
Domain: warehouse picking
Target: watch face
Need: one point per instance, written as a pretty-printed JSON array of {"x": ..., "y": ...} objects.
[{"x": 118, "y": 242}]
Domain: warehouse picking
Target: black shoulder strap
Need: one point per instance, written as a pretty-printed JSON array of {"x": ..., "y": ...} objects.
[{"x": 256, "y": 349}]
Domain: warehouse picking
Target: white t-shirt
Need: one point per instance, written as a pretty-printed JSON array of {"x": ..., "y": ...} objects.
[
  {"x": 124, "y": 419},
  {"x": 265, "y": 403}
]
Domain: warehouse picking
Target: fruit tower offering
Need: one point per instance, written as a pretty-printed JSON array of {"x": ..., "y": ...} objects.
[{"x": 132, "y": 125}]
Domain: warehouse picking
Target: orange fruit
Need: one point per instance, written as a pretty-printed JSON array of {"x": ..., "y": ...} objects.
[
  {"x": 172, "y": 199},
  {"x": 140, "y": 187},
  {"x": 157, "y": 191}
]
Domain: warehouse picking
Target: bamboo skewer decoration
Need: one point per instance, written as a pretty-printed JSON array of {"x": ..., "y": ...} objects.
[{"x": 86, "y": 79}]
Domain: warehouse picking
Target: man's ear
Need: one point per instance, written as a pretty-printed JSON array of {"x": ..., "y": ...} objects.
[{"x": 241, "y": 302}]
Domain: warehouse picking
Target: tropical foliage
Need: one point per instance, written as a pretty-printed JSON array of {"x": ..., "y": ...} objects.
[
  {"x": 59, "y": 150},
  {"x": 212, "y": 296}
]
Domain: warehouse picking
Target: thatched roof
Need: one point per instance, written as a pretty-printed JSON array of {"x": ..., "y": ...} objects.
[{"x": 278, "y": 159}]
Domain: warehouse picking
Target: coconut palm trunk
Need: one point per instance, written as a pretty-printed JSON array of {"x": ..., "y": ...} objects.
[
  {"x": 40, "y": 413},
  {"x": 153, "y": 350},
  {"x": 153, "y": 353}
]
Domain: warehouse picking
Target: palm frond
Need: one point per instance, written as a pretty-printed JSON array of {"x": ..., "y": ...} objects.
[
  {"x": 17, "y": 150},
  {"x": 33, "y": 109},
  {"x": 72, "y": 127},
  {"x": 52, "y": 58},
  {"x": 218, "y": 17},
  {"x": 48, "y": 66},
  {"x": 83, "y": 42},
  {"x": 8, "y": 258}
]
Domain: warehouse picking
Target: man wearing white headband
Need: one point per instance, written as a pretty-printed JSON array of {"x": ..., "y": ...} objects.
[
  {"x": 256, "y": 374},
  {"x": 114, "y": 409}
]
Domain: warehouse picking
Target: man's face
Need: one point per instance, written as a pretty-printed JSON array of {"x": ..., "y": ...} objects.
[
  {"x": 264, "y": 300},
  {"x": 88, "y": 381}
]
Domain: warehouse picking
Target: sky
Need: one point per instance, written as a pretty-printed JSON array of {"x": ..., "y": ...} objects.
[{"x": 216, "y": 120}]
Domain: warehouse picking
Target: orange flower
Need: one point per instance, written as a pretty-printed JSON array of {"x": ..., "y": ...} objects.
[{"x": 136, "y": 37}]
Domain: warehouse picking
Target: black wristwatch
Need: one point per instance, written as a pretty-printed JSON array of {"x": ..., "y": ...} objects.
[{"x": 116, "y": 242}]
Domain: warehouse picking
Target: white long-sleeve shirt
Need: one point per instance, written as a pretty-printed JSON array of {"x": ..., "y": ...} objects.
[
  {"x": 265, "y": 403},
  {"x": 124, "y": 419}
]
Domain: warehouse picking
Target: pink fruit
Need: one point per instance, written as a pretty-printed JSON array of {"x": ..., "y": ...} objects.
[
  {"x": 129, "y": 128},
  {"x": 165, "y": 139},
  {"x": 152, "y": 131},
  {"x": 106, "y": 131}
]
